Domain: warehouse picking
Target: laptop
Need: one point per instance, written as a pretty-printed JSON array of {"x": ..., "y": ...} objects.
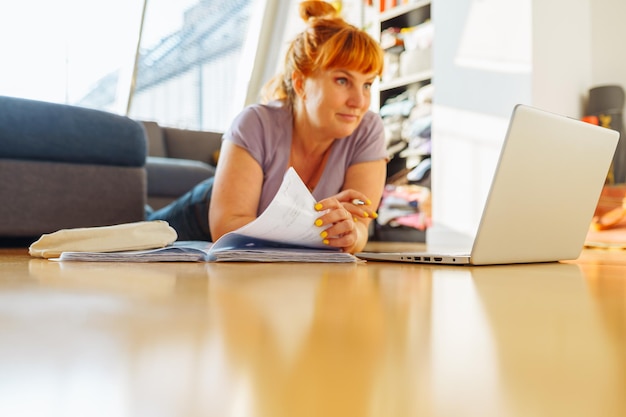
[{"x": 543, "y": 195}]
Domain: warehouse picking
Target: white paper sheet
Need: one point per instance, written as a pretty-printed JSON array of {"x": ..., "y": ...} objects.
[{"x": 289, "y": 219}]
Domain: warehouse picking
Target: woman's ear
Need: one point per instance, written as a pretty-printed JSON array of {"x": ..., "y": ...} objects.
[{"x": 297, "y": 81}]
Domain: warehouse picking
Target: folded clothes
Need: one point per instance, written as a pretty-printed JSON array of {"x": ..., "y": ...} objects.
[
  {"x": 405, "y": 205},
  {"x": 128, "y": 236}
]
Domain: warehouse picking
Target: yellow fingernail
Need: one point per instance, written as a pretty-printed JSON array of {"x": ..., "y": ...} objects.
[
  {"x": 368, "y": 202},
  {"x": 374, "y": 215},
  {"x": 324, "y": 234},
  {"x": 325, "y": 241},
  {"x": 355, "y": 219},
  {"x": 318, "y": 206},
  {"x": 319, "y": 222},
  {"x": 365, "y": 214}
]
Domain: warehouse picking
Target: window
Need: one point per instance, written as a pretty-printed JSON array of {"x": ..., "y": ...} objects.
[
  {"x": 189, "y": 63},
  {"x": 83, "y": 53},
  {"x": 61, "y": 50}
]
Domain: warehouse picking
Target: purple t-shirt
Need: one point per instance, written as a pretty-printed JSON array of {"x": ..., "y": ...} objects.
[{"x": 265, "y": 131}]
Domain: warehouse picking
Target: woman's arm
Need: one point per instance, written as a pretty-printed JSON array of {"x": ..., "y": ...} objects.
[
  {"x": 349, "y": 228},
  {"x": 236, "y": 190}
]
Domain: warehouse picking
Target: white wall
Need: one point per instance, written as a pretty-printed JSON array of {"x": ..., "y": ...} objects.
[
  {"x": 608, "y": 35},
  {"x": 562, "y": 55}
]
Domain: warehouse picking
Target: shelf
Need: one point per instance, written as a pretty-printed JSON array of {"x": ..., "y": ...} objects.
[
  {"x": 402, "y": 9},
  {"x": 415, "y": 65},
  {"x": 408, "y": 79},
  {"x": 408, "y": 153}
]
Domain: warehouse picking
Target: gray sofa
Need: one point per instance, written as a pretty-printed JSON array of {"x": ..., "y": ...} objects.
[
  {"x": 64, "y": 166},
  {"x": 178, "y": 159}
]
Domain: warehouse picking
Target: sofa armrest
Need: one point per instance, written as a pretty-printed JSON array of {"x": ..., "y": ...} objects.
[{"x": 43, "y": 131}]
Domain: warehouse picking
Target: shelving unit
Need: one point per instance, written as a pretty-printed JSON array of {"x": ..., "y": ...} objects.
[
  {"x": 407, "y": 79},
  {"x": 409, "y": 67}
]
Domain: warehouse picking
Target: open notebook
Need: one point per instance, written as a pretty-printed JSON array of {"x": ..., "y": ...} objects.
[{"x": 544, "y": 191}]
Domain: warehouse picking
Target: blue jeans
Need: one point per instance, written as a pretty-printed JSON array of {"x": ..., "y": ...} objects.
[{"x": 189, "y": 215}]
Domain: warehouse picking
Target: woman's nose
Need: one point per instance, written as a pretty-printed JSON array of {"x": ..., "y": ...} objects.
[{"x": 358, "y": 98}]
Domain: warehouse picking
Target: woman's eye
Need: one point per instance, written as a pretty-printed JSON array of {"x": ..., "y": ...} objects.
[
  {"x": 342, "y": 81},
  {"x": 367, "y": 86}
]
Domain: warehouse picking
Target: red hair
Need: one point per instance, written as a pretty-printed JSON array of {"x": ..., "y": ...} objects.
[{"x": 327, "y": 42}]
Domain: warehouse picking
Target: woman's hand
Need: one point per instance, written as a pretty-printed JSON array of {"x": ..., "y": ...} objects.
[{"x": 345, "y": 224}]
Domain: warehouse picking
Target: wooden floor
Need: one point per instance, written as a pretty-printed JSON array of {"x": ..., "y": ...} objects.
[{"x": 373, "y": 339}]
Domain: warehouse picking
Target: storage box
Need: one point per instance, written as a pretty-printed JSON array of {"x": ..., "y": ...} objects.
[{"x": 415, "y": 60}]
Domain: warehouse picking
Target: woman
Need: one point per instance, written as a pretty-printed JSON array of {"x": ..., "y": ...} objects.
[{"x": 317, "y": 122}]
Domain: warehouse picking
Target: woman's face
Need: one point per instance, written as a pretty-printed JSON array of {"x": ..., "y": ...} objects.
[{"x": 335, "y": 100}]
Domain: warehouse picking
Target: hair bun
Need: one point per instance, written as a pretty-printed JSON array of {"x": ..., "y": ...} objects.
[{"x": 317, "y": 9}]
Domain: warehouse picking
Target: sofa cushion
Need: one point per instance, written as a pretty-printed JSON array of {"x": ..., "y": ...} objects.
[
  {"x": 192, "y": 144},
  {"x": 172, "y": 177},
  {"x": 41, "y": 131}
]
